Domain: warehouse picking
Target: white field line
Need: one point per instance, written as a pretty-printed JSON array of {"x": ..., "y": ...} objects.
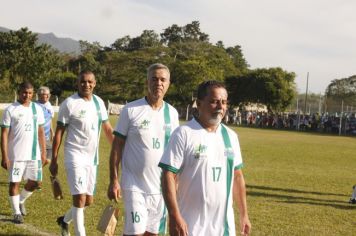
[{"x": 30, "y": 228}]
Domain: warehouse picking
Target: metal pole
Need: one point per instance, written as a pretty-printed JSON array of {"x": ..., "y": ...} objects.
[
  {"x": 319, "y": 104},
  {"x": 187, "y": 115},
  {"x": 306, "y": 95},
  {"x": 342, "y": 109},
  {"x": 298, "y": 116}
]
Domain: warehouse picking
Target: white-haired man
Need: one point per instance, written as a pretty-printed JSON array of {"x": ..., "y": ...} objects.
[{"x": 141, "y": 135}]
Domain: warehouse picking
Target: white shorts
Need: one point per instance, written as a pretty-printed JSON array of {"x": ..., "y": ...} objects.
[
  {"x": 31, "y": 170},
  {"x": 81, "y": 178},
  {"x": 144, "y": 212}
]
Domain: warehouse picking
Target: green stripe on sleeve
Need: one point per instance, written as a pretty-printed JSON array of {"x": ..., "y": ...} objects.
[
  {"x": 119, "y": 135},
  {"x": 238, "y": 167},
  {"x": 60, "y": 123},
  {"x": 168, "y": 167}
]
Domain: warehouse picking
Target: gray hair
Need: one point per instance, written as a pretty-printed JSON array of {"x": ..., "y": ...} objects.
[
  {"x": 43, "y": 89},
  {"x": 157, "y": 66}
]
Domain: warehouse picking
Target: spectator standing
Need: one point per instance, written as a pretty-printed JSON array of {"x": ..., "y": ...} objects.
[{"x": 44, "y": 95}]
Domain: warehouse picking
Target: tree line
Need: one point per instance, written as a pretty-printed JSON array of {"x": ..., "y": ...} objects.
[{"x": 120, "y": 68}]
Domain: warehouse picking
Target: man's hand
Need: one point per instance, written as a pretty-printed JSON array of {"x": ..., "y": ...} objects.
[
  {"x": 45, "y": 162},
  {"x": 177, "y": 226},
  {"x": 5, "y": 163},
  {"x": 114, "y": 191},
  {"x": 245, "y": 226}
]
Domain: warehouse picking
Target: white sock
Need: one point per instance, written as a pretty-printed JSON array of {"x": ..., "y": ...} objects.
[
  {"x": 15, "y": 204},
  {"x": 68, "y": 216},
  {"x": 78, "y": 220},
  {"x": 24, "y": 195}
]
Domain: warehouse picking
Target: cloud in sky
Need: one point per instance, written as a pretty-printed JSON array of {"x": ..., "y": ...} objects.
[{"x": 300, "y": 36}]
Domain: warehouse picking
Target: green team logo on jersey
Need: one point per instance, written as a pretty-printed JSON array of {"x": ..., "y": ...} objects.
[
  {"x": 144, "y": 124},
  {"x": 200, "y": 151},
  {"x": 18, "y": 117},
  {"x": 82, "y": 113}
]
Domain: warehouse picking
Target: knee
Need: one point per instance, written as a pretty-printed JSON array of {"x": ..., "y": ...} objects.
[
  {"x": 32, "y": 185},
  {"x": 88, "y": 201}
]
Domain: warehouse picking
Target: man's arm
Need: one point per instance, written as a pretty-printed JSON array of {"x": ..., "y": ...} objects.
[
  {"x": 57, "y": 140},
  {"x": 108, "y": 131},
  {"x": 42, "y": 143},
  {"x": 114, "y": 190},
  {"x": 5, "y": 163},
  {"x": 239, "y": 195},
  {"x": 177, "y": 225}
]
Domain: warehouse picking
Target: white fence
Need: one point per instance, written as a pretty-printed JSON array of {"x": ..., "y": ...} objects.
[{"x": 4, "y": 105}]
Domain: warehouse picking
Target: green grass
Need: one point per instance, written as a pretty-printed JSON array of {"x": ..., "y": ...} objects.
[{"x": 297, "y": 184}]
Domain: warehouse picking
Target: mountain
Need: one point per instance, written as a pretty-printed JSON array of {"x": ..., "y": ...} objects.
[{"x": 65, "y": 45}]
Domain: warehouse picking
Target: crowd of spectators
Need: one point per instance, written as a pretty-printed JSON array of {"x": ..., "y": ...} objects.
[{"x": 325, "y": 122}]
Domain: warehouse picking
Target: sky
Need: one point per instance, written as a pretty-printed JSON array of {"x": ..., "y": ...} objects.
[{"x": 302, "y": 36}]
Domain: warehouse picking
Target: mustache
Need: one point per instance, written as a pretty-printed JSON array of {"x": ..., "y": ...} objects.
[{"x": 220, "y": 111}]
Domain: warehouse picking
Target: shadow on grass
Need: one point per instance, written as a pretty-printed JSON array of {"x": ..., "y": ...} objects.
[
  {"x": 293, "y": 190},
  {"x": 342, "y": 206},
  {"x": 6, "y": 220},
  {"x": 290, "y": 199},
  {"x": 17, "y": 234}
]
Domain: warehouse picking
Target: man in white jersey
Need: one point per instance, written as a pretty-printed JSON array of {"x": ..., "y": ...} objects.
[
  {"x": 48, "y": 112},
  {"x": 83, "y": 115},
  {"x": 202, "y": 174},
  {"x": 22, "y": 139},
  {"x": 141, "y": 135}
]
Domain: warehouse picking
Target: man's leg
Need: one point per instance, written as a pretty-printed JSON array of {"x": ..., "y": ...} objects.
[
  {"x": 26, "y": 192},
  {"x": 79, "y": 202},
  {"x": 14, "y": 197}
]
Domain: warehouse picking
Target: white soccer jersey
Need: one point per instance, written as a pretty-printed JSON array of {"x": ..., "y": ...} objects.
[
  {"x": 23, "y": 125},
  {"x": 204, "y": 169},
  {"x": 145, "y": 131},
  {"x": 83, "y": 121}
]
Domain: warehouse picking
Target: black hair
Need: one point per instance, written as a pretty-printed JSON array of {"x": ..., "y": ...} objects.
[
  {"x": 83, "y": 73},
  {"x": 24, "y": 85},
  {"x": 206, "y": 85}
]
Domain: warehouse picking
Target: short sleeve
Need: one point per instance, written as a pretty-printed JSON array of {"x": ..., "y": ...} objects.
[
  {"x": 122, "y": 125},
  {"x": 173, "y": 156},
  {"x": 104, "y": 112},
  {"x": 63, "y": 114},
  {"x": 40, "y": 115},
  {"x": 238, "y": 163},
  {"x": 6, "y": 119},
  {"x": 175, "y": 119}
]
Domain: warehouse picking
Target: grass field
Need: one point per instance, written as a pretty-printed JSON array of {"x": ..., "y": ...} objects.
[{"x": 297, "y": 183}]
